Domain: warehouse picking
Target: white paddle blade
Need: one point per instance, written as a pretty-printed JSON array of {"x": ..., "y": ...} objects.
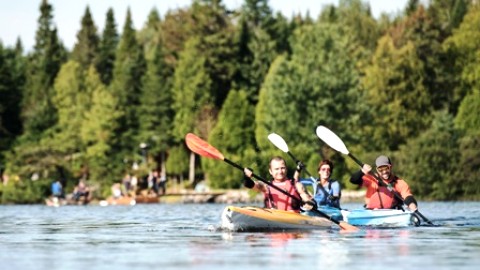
[
  {"x": 331, "y": 139},
  {"x": 278, "y": 141}
]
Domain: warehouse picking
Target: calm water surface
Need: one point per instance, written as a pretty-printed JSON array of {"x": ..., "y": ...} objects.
[{"x": 186, "y": 236}]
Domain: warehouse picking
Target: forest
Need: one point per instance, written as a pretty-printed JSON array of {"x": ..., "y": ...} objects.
[{"x": 122, "y": 100}]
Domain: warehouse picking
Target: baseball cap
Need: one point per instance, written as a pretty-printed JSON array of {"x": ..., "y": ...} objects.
[{"x": 383, "y": 161}]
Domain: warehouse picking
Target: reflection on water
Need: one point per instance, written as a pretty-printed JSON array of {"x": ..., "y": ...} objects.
[{"x": 183, "y": 236}]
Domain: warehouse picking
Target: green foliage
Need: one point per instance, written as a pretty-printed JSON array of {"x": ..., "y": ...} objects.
[
  {"x": 150, "y": 36},
  {"x": 192, "y": 90},
  {"x": 468, "y": 117},
  {"x": 233, "y": 135},
  {"x": 467, "y": 171},
  {"x": 127, "y": 87},
  {"x": 177, "y": 162},
  {"x": 312, "y": 88},
  {"x": 98, "y": 131},
  {"x": 70, "y": 101},
  {"x": 399, "y": 103},
  {"x": 464, "y": 46},
  {"x": 48, "y": 55},
  {"x": 428, "y": 162},
  {"x": 86, "y": 49},
  {"x": 12, "y": 79},
  {"x": 155, "y": 109},
  {"x": 107, "y": 49},
  {"x": 24, "y": 192}
]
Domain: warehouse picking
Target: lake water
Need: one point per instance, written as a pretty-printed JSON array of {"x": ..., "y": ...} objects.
[{"x": 186, "y": 236}]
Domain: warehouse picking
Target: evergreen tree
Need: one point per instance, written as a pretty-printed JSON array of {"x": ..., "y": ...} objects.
[
  {"x": 234, "y": 135},
  {"x": 464, "y": 47},
  {"x": 98, "y": 131},
  {"x": 468, "y": 116},
  {"x": 176, "y": 165},
  {"x": 175, "y": 30},
  {"x": 45, "y": 61},
  {"x": 107, "y": 49},
  {"x": 412, "y": 6},
  {"x": 211, "y": 25},
  {"x": 86, "y": 49},
  {"x": 191, "y": 90},
  {"x": 357, "y": 18},
  {"x": 315, "y": 87},
  {"x": 127, "y": 87},
  {"x": 155, "y": 108},
  {"x": 260, "y": 37},
  {"x": 395, "y": 92},
  {"x": 70, "y": 101},
  {"x": 150, "y": 37},
  {"x": 193, "y": 102},
  {"x": 12, "y": 80},
  {"x": 429, "y": 161},
  {"x": 467, "y": 170}
]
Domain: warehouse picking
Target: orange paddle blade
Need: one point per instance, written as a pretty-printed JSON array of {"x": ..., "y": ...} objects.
[
  {"x": 344, "y": 225},
  {"x": 201, "y": 147}
]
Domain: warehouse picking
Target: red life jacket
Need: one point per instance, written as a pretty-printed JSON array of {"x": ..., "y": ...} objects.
[{"x": 278, "y": 200}]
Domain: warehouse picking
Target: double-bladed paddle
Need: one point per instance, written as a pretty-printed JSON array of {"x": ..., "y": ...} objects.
[
  {"x": 336, "y": 143},
  {"x": 204, "y": 149}
]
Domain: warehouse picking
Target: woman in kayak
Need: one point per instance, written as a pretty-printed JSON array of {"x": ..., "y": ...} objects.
[
  {"x": 275, "y": 198},
  {"x": 327, "y": 191},
  {"x": 382, "y": 195}
]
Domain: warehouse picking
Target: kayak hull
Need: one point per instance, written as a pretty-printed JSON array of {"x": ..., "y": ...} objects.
[
  {"x": 261, "y": 219},
  {"x": 378, "y": 217}
]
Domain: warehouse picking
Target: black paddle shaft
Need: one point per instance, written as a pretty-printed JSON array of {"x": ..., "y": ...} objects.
[{"x": 282, "y": 191}]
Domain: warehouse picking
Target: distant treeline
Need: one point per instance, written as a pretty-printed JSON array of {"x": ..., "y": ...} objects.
[{"x": 121, "y": 101}]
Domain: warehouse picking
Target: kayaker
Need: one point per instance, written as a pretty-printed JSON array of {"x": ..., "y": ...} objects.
[
  {"x": 273, "y": 197},
  {"x": 381, "y": 196},
  {"x": 327, "y": 191}
]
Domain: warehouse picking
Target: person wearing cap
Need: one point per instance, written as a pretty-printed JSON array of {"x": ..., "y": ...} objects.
[{"x": 382, "y": 195}]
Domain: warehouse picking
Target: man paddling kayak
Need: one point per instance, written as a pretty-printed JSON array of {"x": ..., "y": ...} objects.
[
  {"x": 382, "y": 195},
  {"x": 273, "y": 197}
]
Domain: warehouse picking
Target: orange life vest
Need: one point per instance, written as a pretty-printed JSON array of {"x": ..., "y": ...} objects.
[{"x": 382, "y": 198}]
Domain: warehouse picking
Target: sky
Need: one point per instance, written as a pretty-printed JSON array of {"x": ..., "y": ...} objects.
[{"x": 18, "y": 18}]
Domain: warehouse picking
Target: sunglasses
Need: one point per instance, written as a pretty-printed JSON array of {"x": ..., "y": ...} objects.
[{"x": 383, "y": 169}]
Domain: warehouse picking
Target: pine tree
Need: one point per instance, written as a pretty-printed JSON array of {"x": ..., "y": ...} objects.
[
  {"x": 12, "y": 80},
  {"x": 45, "y": 61},
  {"x": 399, "y": 103},
  {"x": 107, "y": 49},
  {"x": 150, "y": 37},
  {"x": 234, "y": 135},
  {"x": 70, "y": 101},
  {"x": 193, "y": 102},
  {"x": 98, "y": 130},
  {"x": 86, "y": 48},
  {"x": 127, "y": 86},
  {"x": 155, "y": 108}
]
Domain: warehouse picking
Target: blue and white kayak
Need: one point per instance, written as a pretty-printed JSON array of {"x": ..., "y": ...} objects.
[
  {"x": 379, "y": 217},
  {"x": 250, "y": 218},
  {"x": 332, "y": 212}
]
